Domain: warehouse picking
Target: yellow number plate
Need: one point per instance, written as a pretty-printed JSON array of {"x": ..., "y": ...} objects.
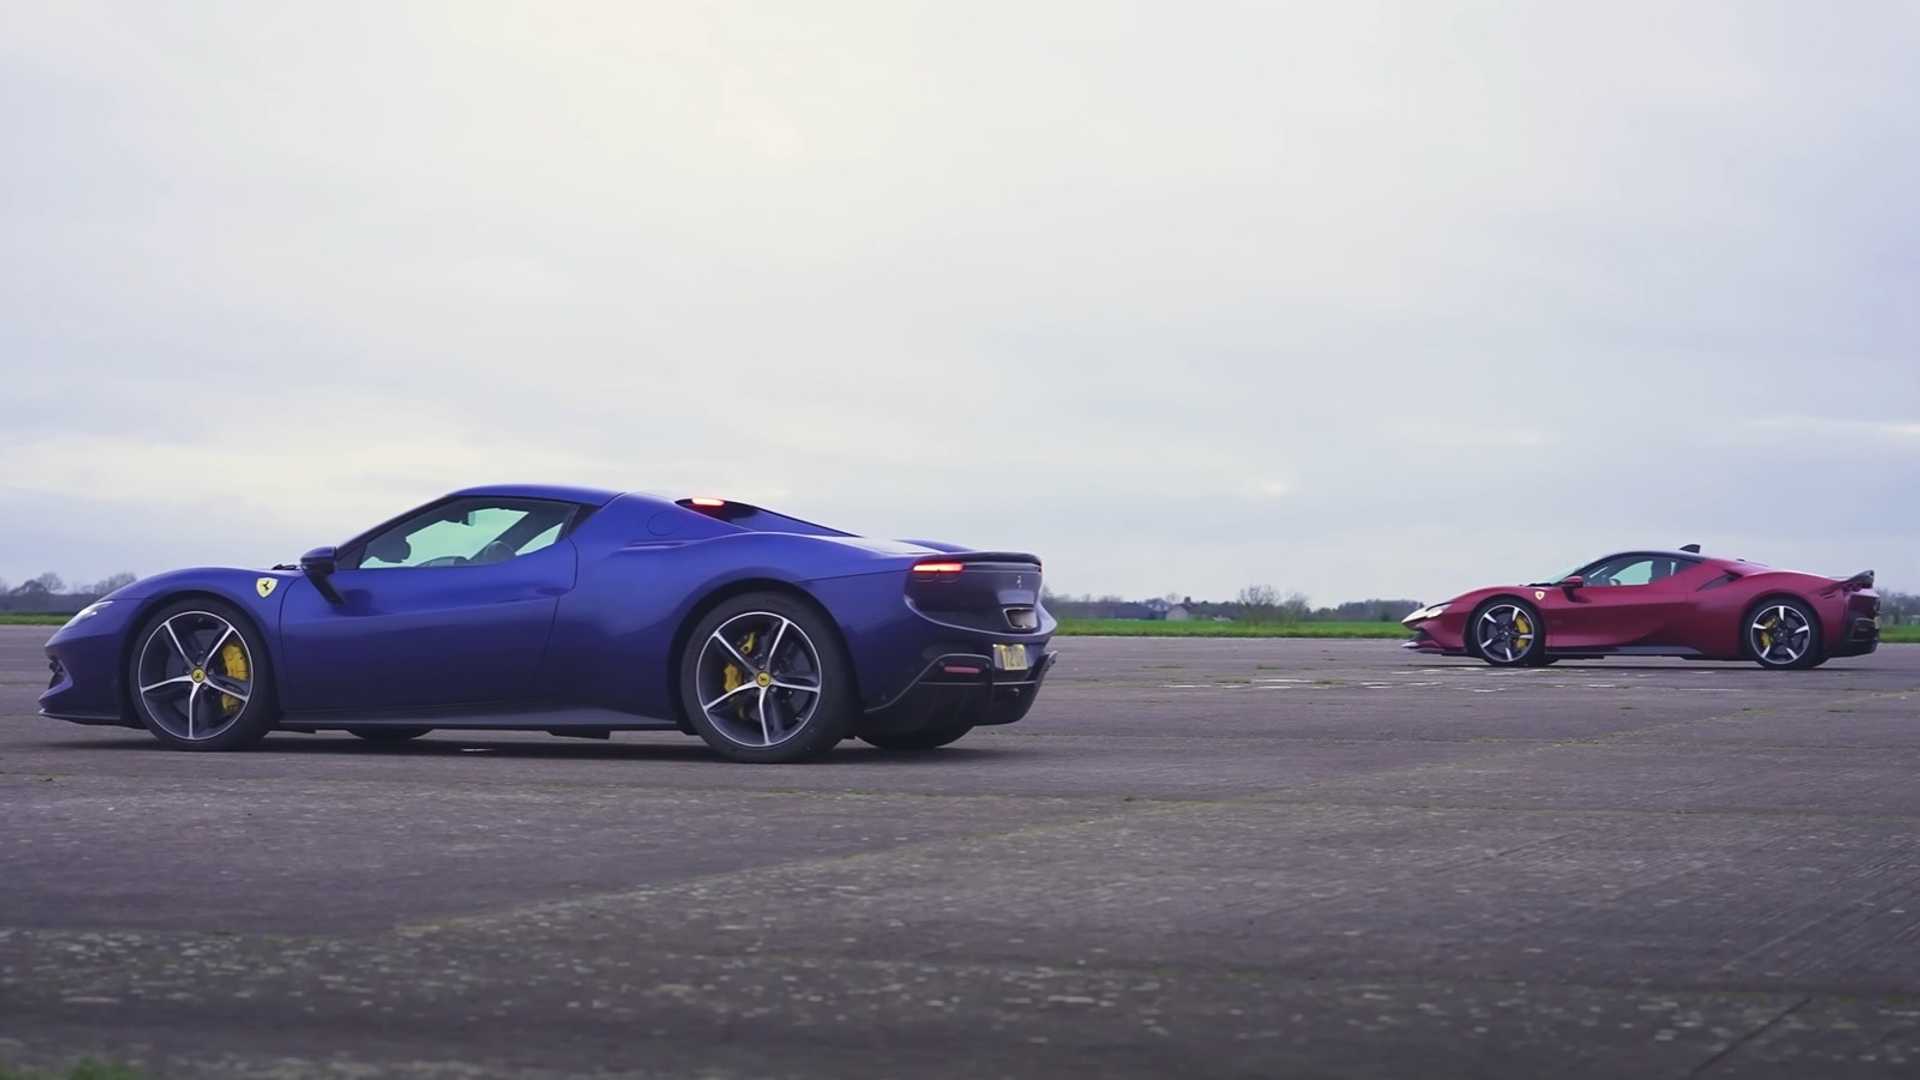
[{"x": 1010, "y": 657}]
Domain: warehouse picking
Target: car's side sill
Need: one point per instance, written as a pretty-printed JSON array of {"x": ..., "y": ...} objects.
[
  {"x": 1682, "y": 651},
  {"x": 504, "y": 718}
]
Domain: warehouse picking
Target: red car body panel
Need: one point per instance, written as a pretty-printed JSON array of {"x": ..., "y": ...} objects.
[{"x": 1698, "y": 611}]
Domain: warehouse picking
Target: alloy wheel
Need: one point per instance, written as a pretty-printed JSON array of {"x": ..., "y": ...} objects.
[
  {"x": 759, "y": 679},
  {"x": 1780, "y": 635},
  {"x": 195, "y": 675},
  {"x": 1505, "y": 632}
]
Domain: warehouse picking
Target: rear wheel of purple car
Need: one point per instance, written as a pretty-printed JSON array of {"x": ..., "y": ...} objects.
[
  {"x": 1782, "y": 634},
  {"x": 763, "y": 678},
  {"x": 931, "y": 738}
]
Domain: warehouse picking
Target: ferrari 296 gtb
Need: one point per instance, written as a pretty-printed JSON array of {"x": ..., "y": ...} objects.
[{"x": 577, "y": 612}]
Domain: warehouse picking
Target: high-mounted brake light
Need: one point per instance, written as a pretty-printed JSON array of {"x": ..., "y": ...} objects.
[
  {"x": 702, "y": 500},
  {"x": 938, "y": 567}
]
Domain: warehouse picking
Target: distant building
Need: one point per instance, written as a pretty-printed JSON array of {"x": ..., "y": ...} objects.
[
  {"x": 1176, "y": 613},
  {"x": 1157, "y": 608}
]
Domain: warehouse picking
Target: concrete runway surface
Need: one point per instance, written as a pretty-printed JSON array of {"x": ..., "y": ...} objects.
[{"x": 1222, "y": 858}]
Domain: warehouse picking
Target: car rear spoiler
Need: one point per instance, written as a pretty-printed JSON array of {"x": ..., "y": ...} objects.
[{"x": 1019, "y": 558}]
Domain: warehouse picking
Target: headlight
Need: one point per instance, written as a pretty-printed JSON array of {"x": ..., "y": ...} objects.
[
  {"x": 90, "y": 611},
  {"x": 1425, "y": 613}
]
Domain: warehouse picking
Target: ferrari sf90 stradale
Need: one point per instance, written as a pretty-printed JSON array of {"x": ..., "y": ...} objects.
[
  {"x": 1659, "y": 603},
  {"x": 577, "y": 612}
]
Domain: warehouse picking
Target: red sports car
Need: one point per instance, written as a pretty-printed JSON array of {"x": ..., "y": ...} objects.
[{"x": 1659, "y": 603}]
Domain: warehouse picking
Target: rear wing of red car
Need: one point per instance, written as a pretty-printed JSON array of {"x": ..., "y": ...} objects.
[{"x": 1861, "y": 580}]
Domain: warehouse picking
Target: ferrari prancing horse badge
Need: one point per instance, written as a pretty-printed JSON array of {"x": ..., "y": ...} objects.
[
  {"x": 1538, "y": 594},
  {"x": 265, "y": 586}
]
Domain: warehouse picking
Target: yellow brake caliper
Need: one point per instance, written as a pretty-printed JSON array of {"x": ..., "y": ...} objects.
[
  {"x": 1766, "y": 634},
  {"x": 1523, "y": 629},
  {"x": 234, "y": 659},
  {"x": 731, "y": 678}
]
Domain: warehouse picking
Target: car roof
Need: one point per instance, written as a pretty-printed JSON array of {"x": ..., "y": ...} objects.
[
  {"x": 584, "y": 495},
  {"x": 1658, "y": 553}
]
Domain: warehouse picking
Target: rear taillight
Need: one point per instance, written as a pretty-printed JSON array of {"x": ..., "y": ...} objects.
[{"x": 938, "y": 567}]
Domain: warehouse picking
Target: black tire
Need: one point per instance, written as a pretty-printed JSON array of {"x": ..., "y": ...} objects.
[
  {"x": 1534, "y": 652},
  {"x": 387, "y": 734},
  {"x": 1776, "y": 654},
  {"x": 735, "y": 666},
  {"x": 198, "y": 646},
  {"x": 931, "y": 738}
]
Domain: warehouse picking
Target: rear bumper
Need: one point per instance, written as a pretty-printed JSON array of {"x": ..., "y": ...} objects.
[
  {"x": 1863, "y": 637},
  {"x": 960, "y": 688}
]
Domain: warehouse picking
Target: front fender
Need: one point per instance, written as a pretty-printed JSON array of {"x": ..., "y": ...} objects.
[
  {"x": 91, "y": 653},
  {"x": 241, "y": 588}
]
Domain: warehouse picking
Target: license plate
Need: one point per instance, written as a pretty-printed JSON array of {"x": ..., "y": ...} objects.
[{"x": 1010, "y": 657}]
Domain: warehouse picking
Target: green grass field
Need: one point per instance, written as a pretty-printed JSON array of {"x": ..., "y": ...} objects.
[{"x": 18, "y": 618}]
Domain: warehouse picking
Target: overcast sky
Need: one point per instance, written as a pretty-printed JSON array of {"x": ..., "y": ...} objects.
[{"x": 1356, "y": 300}]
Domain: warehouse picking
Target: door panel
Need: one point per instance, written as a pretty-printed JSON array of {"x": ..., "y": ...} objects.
[
  {"x": 1620, "y": 616},
  {"x": 410, "y": 636}
]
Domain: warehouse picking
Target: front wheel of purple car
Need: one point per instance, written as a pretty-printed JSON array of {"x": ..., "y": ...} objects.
[
  {"x": 1508, "y": 633},
  {"x": 1783, "y": 635},
  {"x": 199, "y": 678},
  {"x": 763, "y": 679}
]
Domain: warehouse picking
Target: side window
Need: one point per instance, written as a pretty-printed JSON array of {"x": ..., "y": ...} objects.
[
  {"x": 1636, "y": 570},
  {"x": 1621, "y": 570},
  {"x": 467, "y": 532}
]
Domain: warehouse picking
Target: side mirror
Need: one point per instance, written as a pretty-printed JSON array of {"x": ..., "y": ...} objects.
[
  {"x": 318, "y": 562},
  {"x": 1572, "y": 582},
  {"x": 318, "y": 565}
]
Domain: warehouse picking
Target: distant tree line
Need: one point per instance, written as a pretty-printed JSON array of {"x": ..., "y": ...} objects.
[
  {"x": 48, "y": 594},
  {"x": 1899, "y": 608},
  {"x": 1254, "y": 604}
]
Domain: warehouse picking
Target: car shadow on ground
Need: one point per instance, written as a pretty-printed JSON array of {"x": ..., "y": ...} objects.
[{"x": 450, "y": 744}]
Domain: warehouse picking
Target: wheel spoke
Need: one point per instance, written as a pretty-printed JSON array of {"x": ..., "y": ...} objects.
[
  {"x": 728, "y": 645},
  {"x": 177, "y": 647},
  {"x": 217, "y": 642},
  {"x": 742, "y": 688},
  {"x": 803, "y": 688},
  {"x": 176, "y": 680},
  {"x": 193, "y": 698},
  {"x": 232, "y": 690},
  {"x": 774, "y": 649},
  {"x": 766, "y": 734}
]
